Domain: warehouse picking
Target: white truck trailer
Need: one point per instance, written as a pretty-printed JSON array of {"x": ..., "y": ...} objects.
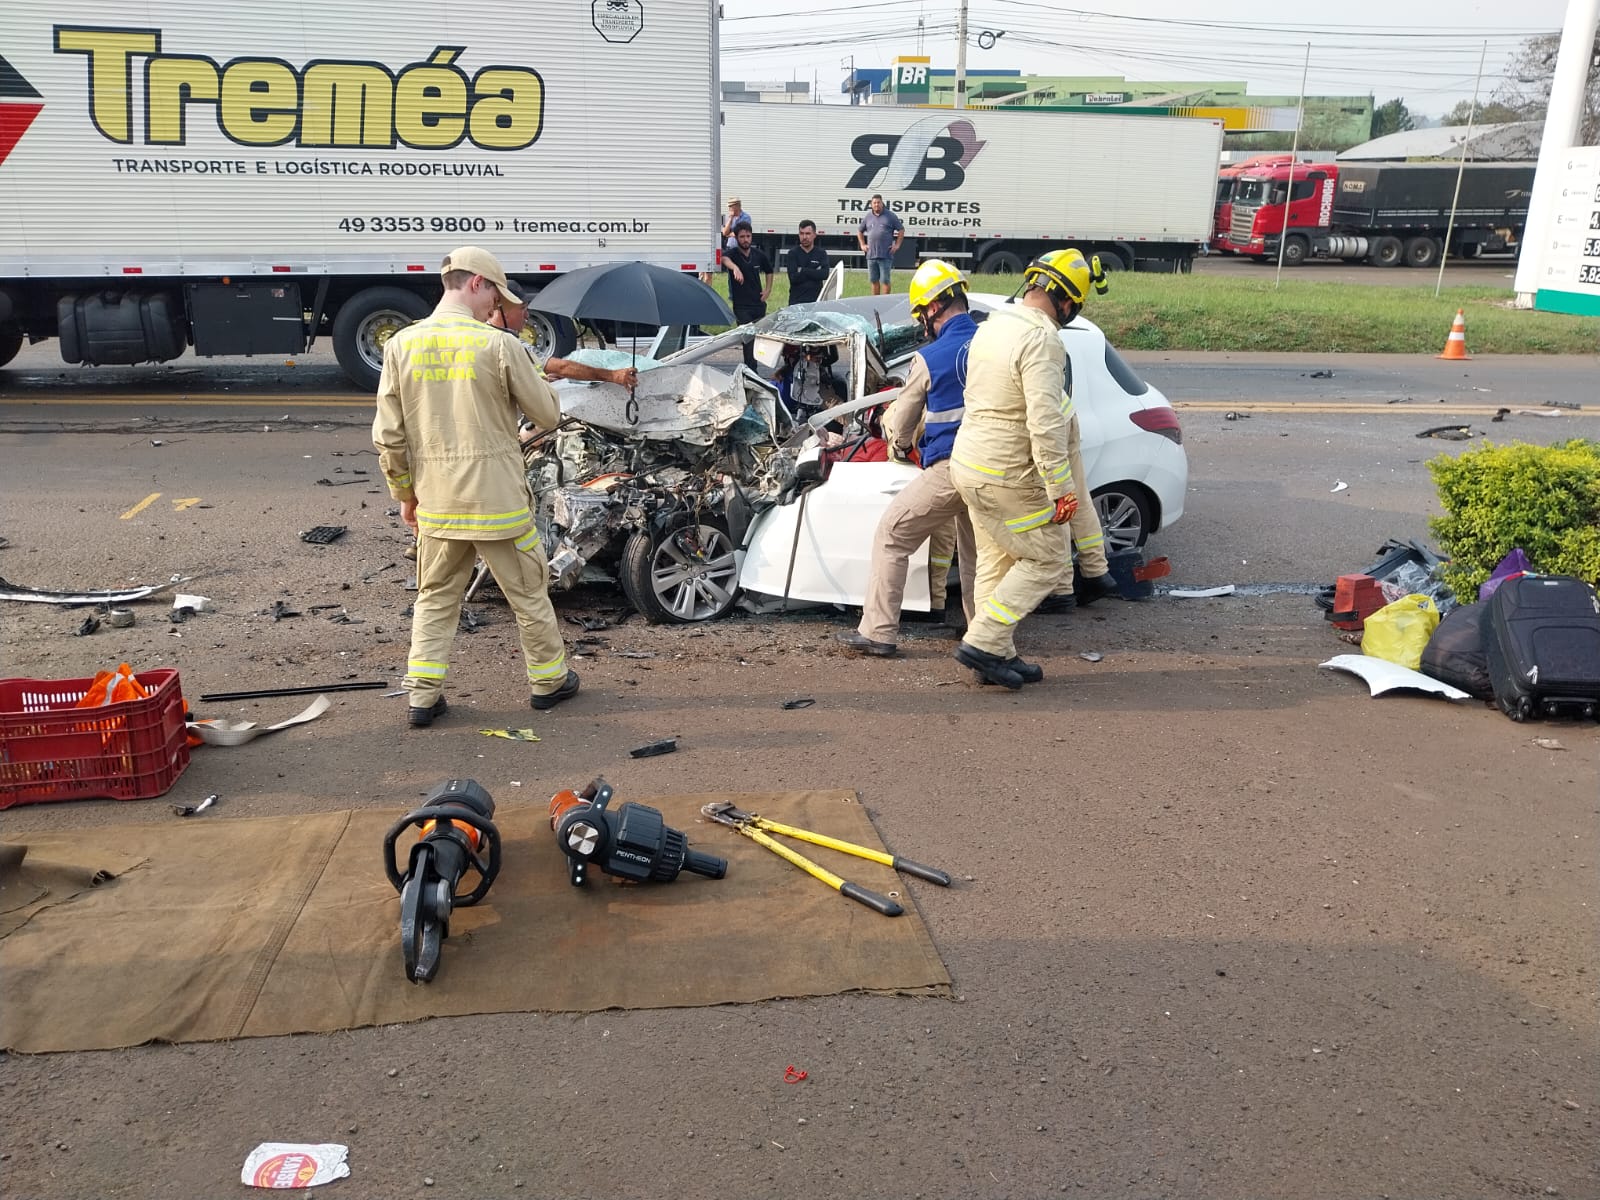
[
  {"x": 987, "y": 189},
  {"x": 244, "y": 177}
]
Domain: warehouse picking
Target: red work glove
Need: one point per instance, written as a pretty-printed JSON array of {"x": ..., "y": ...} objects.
[{"x": 1065, "y": 507}]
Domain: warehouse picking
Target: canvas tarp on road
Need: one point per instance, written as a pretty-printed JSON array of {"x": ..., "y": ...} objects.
[{"x": 257, "y": 927}]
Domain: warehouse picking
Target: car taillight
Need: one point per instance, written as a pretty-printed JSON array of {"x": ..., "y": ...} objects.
[{"x": 1160, "y": 419}]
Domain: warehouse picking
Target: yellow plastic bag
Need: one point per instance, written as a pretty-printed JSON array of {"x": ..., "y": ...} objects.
[{"x": 1399, "y": 632}]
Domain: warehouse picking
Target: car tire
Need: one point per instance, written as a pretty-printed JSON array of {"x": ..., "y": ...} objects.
[
  {"x": 655, "y": 575},
  {"x": 1127, "y": 514},
  {"x": 365, "y": 323},
  {"x": 10, "y": 344}
]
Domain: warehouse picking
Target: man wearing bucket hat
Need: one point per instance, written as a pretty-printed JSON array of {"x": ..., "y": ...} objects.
[{"x": 446, "y": 434}]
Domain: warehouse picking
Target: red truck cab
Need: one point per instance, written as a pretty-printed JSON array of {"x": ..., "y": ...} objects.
[
  {"x": 1227, "y": 181},
  {"x": 1262, "y": 197}
]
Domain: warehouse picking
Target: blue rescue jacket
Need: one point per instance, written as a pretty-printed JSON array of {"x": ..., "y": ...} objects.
[{"x": 946, "y": 359}]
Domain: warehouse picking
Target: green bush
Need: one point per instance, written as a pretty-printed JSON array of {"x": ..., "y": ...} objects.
[{"x": 1544, "y": 499}]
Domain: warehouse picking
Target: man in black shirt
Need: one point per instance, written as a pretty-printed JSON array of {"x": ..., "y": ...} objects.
[
  {"x": 807, "y": 265},
  {"x": 745, "y": 265}
]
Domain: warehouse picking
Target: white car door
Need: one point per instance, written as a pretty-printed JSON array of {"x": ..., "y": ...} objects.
[{"x": 833, "y": 556}]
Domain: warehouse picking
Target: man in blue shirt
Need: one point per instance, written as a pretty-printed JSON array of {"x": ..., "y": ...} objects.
[
  {"x": 880, "y": 236},
  {"x": 926, "y": 507}
]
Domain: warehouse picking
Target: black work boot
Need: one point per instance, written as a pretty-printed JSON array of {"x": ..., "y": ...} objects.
[
  {"x": 1027, "y": 671},
  {"x": 1089, "y": 588},
  {"x": 856, "y": 644},
  {"x": 991, "y": 668},
  {"x": 1056, "y": 602},
  {"x": 567, "y": 690},
  {"x": 421, "y": 718}
]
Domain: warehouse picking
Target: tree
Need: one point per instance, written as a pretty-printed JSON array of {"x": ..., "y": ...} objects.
[
  {"x": 1525, "y": 88},
  {"x": 1492, "y": 113},
  {"x": 1392, "y": 116}
]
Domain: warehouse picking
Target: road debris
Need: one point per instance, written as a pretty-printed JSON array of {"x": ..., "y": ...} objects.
[
  {"x": 1540, "y": 412},
  {"x": 189, "y": 810},
  {"x": 325, "y": 482},
  {"x": 321, "y": 535},
  {"x": 268, "y": 693},
  {"x": 1449, "y": 433},
  {"x": 651, "y": 750},
  {"x": 1323, "y": 373},
  {"x": 1235, "y": 415},
  {"x": 799, "y": 702},
  {"x": 195, "y": 604},
  {"x": 1500, "y": 414},
  {"x": 1339, "y": 485},
  {"x": 1383, "y": 676},
  {"x": 286, "y": 1165},
  {"x": 120, "y": 618},
  {"x": 89, "y": 625},
  {"x": 1548, "y": 744},
  {"x": 636, "y": 653},
  {"x": 219, "y": 732},
  {"x": 280, "y": 610},
  {"x": 1091, "y": 656},
  {"x": 1226, "y": 589},
  {"x": 511, "y": 735},
  {"x": 12, "y": 591}
]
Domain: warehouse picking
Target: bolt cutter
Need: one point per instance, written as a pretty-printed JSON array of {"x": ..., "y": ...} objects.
[{"x": 758, "y": 829}]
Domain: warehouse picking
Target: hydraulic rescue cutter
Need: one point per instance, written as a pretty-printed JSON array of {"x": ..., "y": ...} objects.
[
  {"x": 631, "y": 841},
  {"x": 456, "y": 834},
  {"x": 758, "y": 829}
]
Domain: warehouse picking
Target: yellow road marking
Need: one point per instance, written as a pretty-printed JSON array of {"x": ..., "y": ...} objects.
[
  {"x": 180, "y": 505},
  {"x": 141, "y": 506},
  {"x": 1398, "y": 410}
]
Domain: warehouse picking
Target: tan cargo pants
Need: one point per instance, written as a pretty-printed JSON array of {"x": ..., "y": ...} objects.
[
  {"x": 444, "y": 567},
  {"x": 1087, "y": 535},
  {"x": 1021, "y": 556},
  {"x": 924, "y": 511}
]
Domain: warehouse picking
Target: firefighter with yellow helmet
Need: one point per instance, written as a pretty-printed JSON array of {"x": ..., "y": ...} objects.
[
  {"x": 928, "y": 509},
  {"x": 1012, "y": 463}
]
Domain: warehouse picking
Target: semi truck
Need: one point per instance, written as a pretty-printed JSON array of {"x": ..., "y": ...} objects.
[
  {"x": 987, "y": 189},
  {"x": 245, "y": 178},
  {"x": 1385, "y": 213}
]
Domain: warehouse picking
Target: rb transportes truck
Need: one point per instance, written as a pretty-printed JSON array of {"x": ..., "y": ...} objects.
[
  {"x": 987, "y": 189},
  {"x": 1385, "y": 213},
  {"x": 244, "y": 177}
]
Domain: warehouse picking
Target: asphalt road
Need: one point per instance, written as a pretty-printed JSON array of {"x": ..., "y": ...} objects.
[{"x": 1223, "y": 925}]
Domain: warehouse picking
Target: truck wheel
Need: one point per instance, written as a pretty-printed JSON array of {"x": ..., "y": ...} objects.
[
  {"x": 10, "y": 344},
  {"x": 1295, "y": 250},
  {"x": 550, "y": 336},
  {"x": 1001, "y": 262},
  {"x": 1387, "y": 252},
  {"x": 1422, "y": 252},
  {"x": 688, "y": 573},
  {"x": 364, "y": 325}
]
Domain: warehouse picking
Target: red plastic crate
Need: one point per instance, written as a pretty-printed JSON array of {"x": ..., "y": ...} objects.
[{"x": 50, "y": 750}]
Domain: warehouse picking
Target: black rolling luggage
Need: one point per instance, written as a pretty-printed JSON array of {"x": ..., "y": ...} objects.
[{"x": 1543, "y": 643}]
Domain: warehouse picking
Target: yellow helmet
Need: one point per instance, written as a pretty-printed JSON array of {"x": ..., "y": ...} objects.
[
  {"x": 935, "y": 279},
  {"x": 1066, "y": 271}
]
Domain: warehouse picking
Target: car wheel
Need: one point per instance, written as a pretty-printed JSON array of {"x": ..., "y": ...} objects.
[
  {"x": 1127, "y": 515},
  {"x": 687, "y": 573}
]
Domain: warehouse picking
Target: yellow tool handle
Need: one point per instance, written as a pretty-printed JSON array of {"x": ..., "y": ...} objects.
[
  {"x": 931, "y": 874},
  {"x": 844, "y": 887}
]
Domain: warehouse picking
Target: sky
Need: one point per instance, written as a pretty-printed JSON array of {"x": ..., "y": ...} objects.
[{"x": 1430, "y": 61}]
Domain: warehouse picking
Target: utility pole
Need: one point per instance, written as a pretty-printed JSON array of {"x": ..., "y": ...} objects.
[
  {"x": 961, "y": 56},
  {"x": 852, "y": 61}
]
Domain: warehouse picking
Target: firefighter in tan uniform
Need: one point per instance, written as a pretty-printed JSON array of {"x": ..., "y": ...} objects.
[
  {"x": 446, "y": 434},
  {"x": 1012, "y": 462},
  {"x": 928, "y": 509}
]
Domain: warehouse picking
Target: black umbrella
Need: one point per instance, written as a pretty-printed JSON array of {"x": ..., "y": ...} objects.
[{"x": 637, "y": 293}]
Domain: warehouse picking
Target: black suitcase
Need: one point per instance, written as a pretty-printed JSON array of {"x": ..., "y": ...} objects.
[
  {"x": 1543, "y": 643},
  {"x": 1455, "y": 653}
]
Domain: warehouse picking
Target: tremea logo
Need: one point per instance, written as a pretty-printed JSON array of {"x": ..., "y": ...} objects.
[
  {"x": 20, "y": 103},
  {"x": 931, "y": 156}
]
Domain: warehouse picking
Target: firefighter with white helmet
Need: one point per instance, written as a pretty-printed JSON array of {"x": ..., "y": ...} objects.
[
  {"x": 928, "y": 509},
  {"x": 1012, "y": 461}
]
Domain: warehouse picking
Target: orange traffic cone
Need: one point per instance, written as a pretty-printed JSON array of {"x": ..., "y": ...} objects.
[{"x": 1455, "y": 346}]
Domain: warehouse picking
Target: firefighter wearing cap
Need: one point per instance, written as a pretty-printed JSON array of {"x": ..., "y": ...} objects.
[
  {"x": 446, "y": 434},
  {"x": 513, "y": 318},
  {"x": 1012, "y": 462},
  {"x": 929, "y": 507}
]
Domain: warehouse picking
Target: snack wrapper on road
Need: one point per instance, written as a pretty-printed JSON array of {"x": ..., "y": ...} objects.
[{"x": 283, "y": 1165}]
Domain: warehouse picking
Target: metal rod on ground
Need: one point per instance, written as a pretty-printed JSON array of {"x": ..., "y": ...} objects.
[
  {"x": 1294, "y": 153},
  {"x": 1461, "y": 169},
  {"x": 263, "y": 693}
]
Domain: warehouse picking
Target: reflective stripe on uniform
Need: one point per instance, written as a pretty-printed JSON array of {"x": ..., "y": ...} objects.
[
  {"x": 1067, "y": 407},
  {"x": 945, "y": 416},
  {"x": 401, "y": 481},
  {"x": 961, "y": 462},
  {"x": 1062, "y": 473},
  {"x": 421, "y": 668},
  {"x": 528, "y": 540},
  {"x": 1089, "y": 543},
  {"x": 1000, "y": 612},
  {"x": 556, "y": 668},
  {"x": 475, "y": 522},
  {"x": 939, "y": 562},
  {"x": 1031, "y": 521}
]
